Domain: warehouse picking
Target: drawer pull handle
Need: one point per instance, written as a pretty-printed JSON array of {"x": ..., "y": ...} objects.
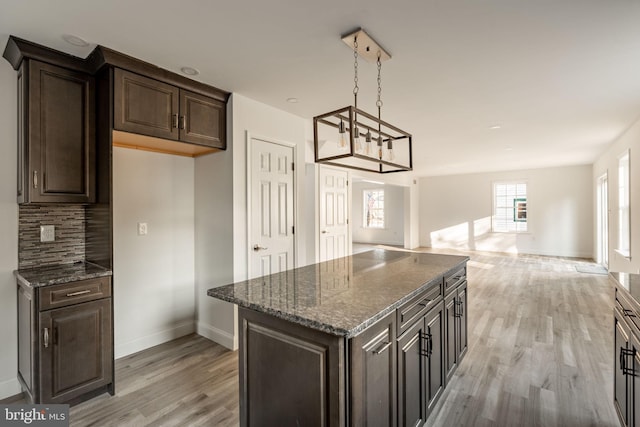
[
  {"x": 46, "y": 337},
  {"x": 75, "y": 294},
  {"x": 424, "y": 302},
  {"x": 174, "y": 122},
  {"x": 382, "y": 349},
  {"x": 628, "y": 313}
]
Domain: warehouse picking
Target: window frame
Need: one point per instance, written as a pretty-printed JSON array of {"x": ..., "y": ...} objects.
[
  {"x": 514, "y": 225},
  {"x": 624, "y": 204},
  {"x": 365, "y": 208}
]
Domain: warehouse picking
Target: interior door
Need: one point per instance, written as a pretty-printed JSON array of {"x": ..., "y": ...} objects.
[
  {"x": 334, "y": 222},
  {"x": 271, "y": 208}
]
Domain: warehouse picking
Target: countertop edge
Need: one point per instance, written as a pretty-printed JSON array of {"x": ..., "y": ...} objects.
[
  {"x": 22, "y": 280},
  {"x": 323, "y": 327}
]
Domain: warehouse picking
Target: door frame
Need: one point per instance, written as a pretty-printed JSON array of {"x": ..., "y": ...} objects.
[
  {"x": 248, "y": 138},
  {"x": 349, "y": 249},
  {"x": 602, "y": 220}
]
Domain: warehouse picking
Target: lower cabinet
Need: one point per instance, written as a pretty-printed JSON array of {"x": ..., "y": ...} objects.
[
  {"x": 420, "y": 368},
  {"x": 373, "y": 375},
  {"x": 392, "y": 373},
  {"x": 65, "y": 348},
  {"x": 455, "y": 306}
]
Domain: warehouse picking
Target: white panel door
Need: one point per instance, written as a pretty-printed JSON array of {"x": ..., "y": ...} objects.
[
  {"x": 334, "y": 222},
  {"x": 271, "y": 208}
]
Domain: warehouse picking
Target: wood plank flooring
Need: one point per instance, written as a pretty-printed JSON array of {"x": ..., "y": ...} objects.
[{"x": 540, "y": 354}]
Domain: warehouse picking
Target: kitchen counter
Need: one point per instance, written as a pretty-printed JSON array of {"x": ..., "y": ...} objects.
[
  {"x": 343, "y": 296},
  {"x": 61, "y": 273},
  {"x": 367, "y": 339},
  {"x": 630, "y": 283}
]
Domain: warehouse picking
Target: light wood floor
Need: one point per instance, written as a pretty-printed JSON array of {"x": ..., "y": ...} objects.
[{"x": 540, "y": 354}]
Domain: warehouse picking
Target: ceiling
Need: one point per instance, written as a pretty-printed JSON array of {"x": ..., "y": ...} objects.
[{"x": 561, "y": 78}]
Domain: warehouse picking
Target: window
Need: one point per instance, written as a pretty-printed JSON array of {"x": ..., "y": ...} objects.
[
  {"x": 623, "y": 205},
  {"x": 509, "y": 207},
  {"x": 373, "y": 211}
]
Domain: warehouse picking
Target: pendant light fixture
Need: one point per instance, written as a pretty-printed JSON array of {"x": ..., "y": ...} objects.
[{"x": 338, "y": 134}]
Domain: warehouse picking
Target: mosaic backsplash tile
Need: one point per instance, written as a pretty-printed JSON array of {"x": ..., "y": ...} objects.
[{"x": 69, "y": 246}]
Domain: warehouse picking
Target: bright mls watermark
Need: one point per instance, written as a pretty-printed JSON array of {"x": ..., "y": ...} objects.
[{"x": 34, "y": 415}]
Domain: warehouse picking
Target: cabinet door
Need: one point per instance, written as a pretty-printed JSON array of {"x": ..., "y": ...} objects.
[
  {"x": 75, "y": 350},
  {"x": 202, "y": 120},
  {"x": 412, "y": 353},
  {"x": 461, "y": 340},
  {"x": 633, "y": 375},
  {"x": 61, "y": 135},
  {"x": 373, "y": 375},
  {"x": 434, "y": 321},
  {"x": 620, "y": 388},
  {"x": 451, "y": 355},
  {"x": 145, "y": 106}
]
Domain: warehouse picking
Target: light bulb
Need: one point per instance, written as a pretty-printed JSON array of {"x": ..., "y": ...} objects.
[
  {"x": 356, "y": 139},
  {"x": 380, "y": 147},
  {"x": 367, "y": 145},
  {"x": 390, "y": 154},
  {"x": 342, "y": 132}
]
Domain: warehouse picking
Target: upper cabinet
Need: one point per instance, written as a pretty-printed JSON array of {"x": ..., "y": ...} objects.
[
  {"x": 150, "y": 107},
  {"x": 56, "y": 134}
]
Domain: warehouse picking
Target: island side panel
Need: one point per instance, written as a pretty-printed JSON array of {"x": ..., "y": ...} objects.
[{"x": 289, "y": 374}]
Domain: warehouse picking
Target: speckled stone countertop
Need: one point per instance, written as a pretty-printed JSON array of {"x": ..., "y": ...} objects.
[
  {"x": 344, "y": 296},
  {"x": 630, "y": 282},
  {"x": 62, "y": 273}
]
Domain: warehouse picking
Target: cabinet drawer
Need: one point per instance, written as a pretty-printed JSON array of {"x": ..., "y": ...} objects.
[
  {"x": 627, "y": 312},
  {"x": 73, "y": 293},
  {"x": 453, "y": 280},
  {"x": 417, "y": 306}
]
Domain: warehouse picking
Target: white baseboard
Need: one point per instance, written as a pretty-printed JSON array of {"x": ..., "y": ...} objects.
[
  {"x": 223, "y": 338},
  {"x": 10, "y": 388},
  {"x": 148, "y": 341}
]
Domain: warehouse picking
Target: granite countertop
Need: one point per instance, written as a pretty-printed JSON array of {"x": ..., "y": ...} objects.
[
  {"x": 343, "y": 296},
  {"x": 60, "y": 273},
  {"x": 630, "y": 282}
]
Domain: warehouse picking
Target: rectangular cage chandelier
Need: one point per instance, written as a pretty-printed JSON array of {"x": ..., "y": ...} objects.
[{"x": 352, "y": 138}]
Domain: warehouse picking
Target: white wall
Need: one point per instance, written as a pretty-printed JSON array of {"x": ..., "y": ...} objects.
[
  {"x": 154, "y": 298},
  {"x": 214, "y": 240},
  {"x": 608, "y": 162},
  {"x": 455, "y": 212},
  {"x": 9, "y": 385},
  {"x": 394, "y": 215},
  {"x": 221, "y": 209}
]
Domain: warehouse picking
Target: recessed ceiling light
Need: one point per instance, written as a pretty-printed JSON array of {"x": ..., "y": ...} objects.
[
  {"x": 495, "y": 127},
  {"x": 75, "y": 40},
  {"x": 508, "y": 149},
  {"x": 190, "y": 71},
  {"x": 292, "y": 100}
]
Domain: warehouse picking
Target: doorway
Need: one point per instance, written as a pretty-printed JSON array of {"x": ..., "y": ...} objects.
[
  {"x": 602, "y": 221},
  {"x": 378, "y": 214},
  {"x": 271, "y": 204},
  {"x": 334, "y": 240}
]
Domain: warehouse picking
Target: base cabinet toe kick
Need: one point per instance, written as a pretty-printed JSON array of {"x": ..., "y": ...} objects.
[{"x": 390, "y": 372}]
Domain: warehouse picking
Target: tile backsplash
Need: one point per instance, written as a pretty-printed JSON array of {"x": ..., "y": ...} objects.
[{"x": 69, "y": 244}]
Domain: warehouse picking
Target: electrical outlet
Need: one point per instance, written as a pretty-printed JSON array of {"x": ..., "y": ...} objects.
[
  {"x": 47, "y": 233},
  {"x": 142, "y": 229}
]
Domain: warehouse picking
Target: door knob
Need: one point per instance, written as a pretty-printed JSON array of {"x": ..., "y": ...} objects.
[
  {"x": 324, "y": 231},
  {"x": 259, "y": 248}
]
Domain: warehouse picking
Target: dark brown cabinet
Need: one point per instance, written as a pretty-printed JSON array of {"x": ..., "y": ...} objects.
[
  {"x": 56, "y": 134},
  {"x": 420, "y": 368},
  {"x": 373, "y": 375},
  {"x": 455, "y": 307},
  {"x": 393, "y": 372},
  {"x": 149, "y": 107},
  {"x": 65, "y": 341}
]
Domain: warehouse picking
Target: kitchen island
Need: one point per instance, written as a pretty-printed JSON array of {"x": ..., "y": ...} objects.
[{"x": 369, "y": 339}]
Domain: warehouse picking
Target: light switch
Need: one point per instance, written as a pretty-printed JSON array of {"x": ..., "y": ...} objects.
[
  {"x": 47, "y": 233},
  {"x": 142, "y": 229}
]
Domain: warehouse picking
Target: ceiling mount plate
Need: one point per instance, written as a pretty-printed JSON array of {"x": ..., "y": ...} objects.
[{"x": 368, "y": 48}]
